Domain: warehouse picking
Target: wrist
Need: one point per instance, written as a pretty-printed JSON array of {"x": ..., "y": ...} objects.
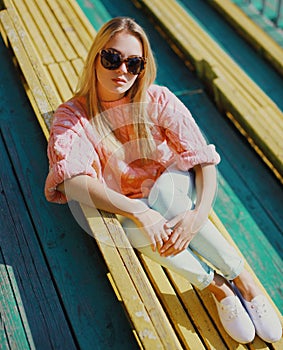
[{"x": 136, "y": 208}]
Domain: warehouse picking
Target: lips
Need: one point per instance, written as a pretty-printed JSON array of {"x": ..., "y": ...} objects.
[{"x": 119, "y": 80}]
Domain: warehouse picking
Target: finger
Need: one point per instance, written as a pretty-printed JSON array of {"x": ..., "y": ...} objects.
[
  {"x": 175, "y": 248},
  {"x": 153, "y": 245},
  {"x": 164, "y": 237},
  {"x": 159, "y": 245},
  {"x": 170, "y": 242},
  {"x": 181, "y": 248}
]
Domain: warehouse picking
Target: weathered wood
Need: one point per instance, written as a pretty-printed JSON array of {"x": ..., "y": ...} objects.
[
  {"x": 32, "y": 314},
  {"x": 140, "y": 300}
]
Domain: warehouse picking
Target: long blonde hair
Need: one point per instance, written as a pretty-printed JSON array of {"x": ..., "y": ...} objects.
[{"x": 87, "y": 86}]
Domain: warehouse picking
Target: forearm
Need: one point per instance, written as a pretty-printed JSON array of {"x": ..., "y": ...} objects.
[
  {"x": 206, "y": 186},
  {"x": 92, "y": 192}
]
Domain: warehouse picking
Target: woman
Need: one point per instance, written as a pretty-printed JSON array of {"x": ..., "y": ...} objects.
[{"x": 127, "y": 146}]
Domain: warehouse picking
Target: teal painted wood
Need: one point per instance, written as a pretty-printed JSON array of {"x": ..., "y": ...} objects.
[
  {"x": 95, "y": 11},
  {"x": 249, "y": 200},
  {"x": 94, "y": 319},
  {"x": 265, "y": 22},
  {"x": 33, "y": 299},
  {"x": 12, "y": 330}
]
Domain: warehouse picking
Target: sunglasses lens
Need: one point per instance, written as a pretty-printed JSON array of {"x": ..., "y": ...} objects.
[
  {"x": 135, "y": 65},
  {"x": 111, "y": 60}
]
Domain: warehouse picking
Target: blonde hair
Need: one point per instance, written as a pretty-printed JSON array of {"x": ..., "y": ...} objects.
[{"x": 87, "y": 86}]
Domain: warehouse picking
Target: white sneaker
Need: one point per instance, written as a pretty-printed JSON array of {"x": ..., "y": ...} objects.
[
  {"x": 235, "y": 319},
  {"x": 266, "y": 322}
]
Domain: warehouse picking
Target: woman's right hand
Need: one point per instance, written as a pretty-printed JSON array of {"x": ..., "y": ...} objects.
[{"x": 153, "y": 224}]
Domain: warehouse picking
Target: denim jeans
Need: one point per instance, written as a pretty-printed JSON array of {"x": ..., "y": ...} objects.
[{"x": 172, "y": 194}]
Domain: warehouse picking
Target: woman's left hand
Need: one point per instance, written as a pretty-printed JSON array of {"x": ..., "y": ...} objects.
[{"x": 184, "y": 227}]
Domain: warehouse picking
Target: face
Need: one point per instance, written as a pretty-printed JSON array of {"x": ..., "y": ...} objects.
[{"x": 113, "y": 84}]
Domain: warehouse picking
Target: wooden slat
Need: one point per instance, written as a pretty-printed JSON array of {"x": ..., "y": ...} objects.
[
  {"x": 25, "y": 280},
  {"x": 32, "y": 28},
  {"x": 69, "y": 34},
  {"x": 80, "y": 19},
  {"x": 12, "y": 330},
  {"x": 32, "y": 78},
  {"x": 141, "y": 301},
  {"x": 38, "y": 30},
  {"x": 204, "y": 318},
  {"x": 53, "y": 34},
  {"x": 70, "y": 75},
  {"x": 78, "y": 65},
  {"x": 172, "y": 304},
  {"x": 62, "y": 86}
]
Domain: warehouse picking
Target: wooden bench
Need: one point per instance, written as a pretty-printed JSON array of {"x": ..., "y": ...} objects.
[
  {"x": 165, "y": 311},
  {"x": 251, "y": 110}
]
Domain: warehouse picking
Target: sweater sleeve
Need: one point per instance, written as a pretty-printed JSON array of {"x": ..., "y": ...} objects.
[
  {"x": 183, "y": 134},
  {"x": 70, "y": 151}
]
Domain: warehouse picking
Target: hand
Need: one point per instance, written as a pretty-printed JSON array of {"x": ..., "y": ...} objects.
[
  {"x": 153, "y": 224},
  {"x": 184, "y": 228}
]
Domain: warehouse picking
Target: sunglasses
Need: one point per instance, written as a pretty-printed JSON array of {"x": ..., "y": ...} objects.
[{"x": 111, "y": 59}]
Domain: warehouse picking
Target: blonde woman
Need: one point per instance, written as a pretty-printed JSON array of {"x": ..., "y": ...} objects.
[{"x": 127, "y": 146}]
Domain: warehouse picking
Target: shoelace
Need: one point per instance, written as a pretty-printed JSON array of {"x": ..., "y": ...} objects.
[
  {"x": 231, "y": 311},
  {"x": 260, "y": 308}
]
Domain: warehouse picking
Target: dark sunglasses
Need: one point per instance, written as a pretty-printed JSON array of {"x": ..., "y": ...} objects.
[{"x": 111, "y": 59}]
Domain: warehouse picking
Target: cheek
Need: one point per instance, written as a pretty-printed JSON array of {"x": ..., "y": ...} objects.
[{"x": 131, "y": 80}]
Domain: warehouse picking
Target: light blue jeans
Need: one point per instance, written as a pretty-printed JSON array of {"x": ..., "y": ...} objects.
[{"x": 172, "y": 194}]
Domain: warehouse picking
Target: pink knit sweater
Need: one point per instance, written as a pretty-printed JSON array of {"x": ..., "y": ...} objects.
[{"x": 74, "y": 146}]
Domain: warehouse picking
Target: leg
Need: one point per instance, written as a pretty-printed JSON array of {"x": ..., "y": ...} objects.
[
  {"x": 172, "y": 194},
  {"x": 187, "y": 263}
]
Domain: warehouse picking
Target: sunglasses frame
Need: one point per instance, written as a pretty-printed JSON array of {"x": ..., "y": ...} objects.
[{"x": 122, "y": 60}]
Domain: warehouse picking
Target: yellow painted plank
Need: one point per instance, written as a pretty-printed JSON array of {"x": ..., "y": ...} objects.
[
  {"x": 31, "y": 28},
  {"x": 30, "y": 75},
  {"x": 228, "y": 99},
  {"x": 43, "y": 28},
  {"x": 34, "y": 58},
  {"x": 83, "y": 21},
  {"x": 62, "y": 86},
  {"x": 70, "y": 75},
  {"x": 174, "y": 308},
  {"x": 50, "y": 30},
  {"x": 109, "y": 235},
  {"x": 67, "y": 32},
  {"x": 56, "y": 29},
  {"x": 77, "y": 18},
  {"x": 78, "y": 65},
  {"x": 200, "y": 316}
]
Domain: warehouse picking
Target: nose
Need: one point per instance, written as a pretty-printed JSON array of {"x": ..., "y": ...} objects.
[{"x": 123, "y": 68}]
